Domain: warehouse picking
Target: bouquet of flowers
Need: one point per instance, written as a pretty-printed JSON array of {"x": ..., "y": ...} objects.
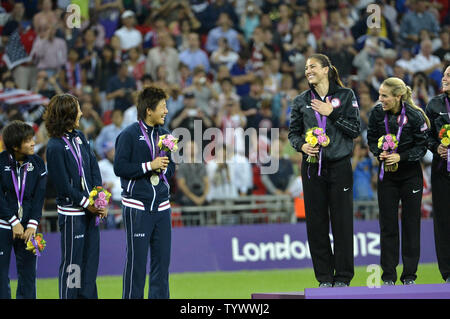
[
  {"x": 388, "y": 143},
  {"x": 36, "y": 244},
  {"x": 168, "y": 143},
  {"x": 444, "y": 135},
  {"x": 316, "y": 136},
  {"x": 99, "y": 198}
]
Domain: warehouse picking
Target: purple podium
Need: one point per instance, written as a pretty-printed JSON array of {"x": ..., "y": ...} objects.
[{"x": 434, "y": 291}]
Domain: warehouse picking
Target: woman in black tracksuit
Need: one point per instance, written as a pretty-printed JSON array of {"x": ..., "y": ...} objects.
[
  {"x": 73, "y": 169},
  {"x": 22, "y": 190},
  {"x": 397, "y": 114},
  {"x": 328, "y": 185},
  {"x": 438, "y": 111}
]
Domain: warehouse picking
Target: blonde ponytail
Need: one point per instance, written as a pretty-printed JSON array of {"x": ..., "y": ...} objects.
[
  {"x": 408, "y": 99},
  {"x": 399, "y": 88}
]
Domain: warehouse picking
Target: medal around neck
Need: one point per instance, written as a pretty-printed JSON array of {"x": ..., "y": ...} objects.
[{"x": 154, "y": 179}]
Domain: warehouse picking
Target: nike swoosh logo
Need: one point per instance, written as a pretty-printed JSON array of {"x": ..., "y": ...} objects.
[
  {"x": 443, "y": 113},
  {"x": 416, "y": 191},
  {"x": 308, "y": 106},
  {"x": 346, "y": 189}
]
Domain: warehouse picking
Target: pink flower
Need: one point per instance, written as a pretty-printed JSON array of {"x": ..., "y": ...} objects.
[
  {"x": 391, "y": 145},
  {"x": 385, "y": 146},
  {"x": 318, "y": 131},
  {"x": 101, "y": 195},
  {"x": 321, "y": 139},
  {"x": 100, "y": 203},
  {"x": 388, "y": 138}
]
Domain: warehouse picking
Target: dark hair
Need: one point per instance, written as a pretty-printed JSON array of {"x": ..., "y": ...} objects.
[
  {"x": 333, "y": 74},
  {"x": 149, "y": 98},
  {"x": 61, "y": 114},
  {"x": 15, "y": 133}
]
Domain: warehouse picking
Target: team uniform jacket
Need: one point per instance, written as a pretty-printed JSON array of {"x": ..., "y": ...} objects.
[
  {"x": 132, "y": 165},
  {"x": 438, "y": 115},
  {"x": 33, "y": 198},
  {"x": 343, "y": 124},
  {"x": 413, "y": 140},
  {"x": 62, "y": 167}
]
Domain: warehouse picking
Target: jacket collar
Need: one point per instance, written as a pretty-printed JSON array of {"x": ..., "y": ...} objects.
[{"x": 332, "y": 88}]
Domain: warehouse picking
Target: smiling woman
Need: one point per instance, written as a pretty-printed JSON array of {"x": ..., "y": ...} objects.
[
  {"x": 400, "y": 176},
  {"x": 327, "y": 181}
]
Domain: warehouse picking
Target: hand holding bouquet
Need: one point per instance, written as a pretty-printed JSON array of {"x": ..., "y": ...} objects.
[
  {"x": 444, "y": 148},
  {"x": 99, "y": 198},
  {"x": 316, "y": 136},
  {"x": 388, "y": 143},
  {"x": 36, "y": 244}
]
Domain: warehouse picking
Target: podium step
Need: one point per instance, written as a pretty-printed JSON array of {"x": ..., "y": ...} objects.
[{"x": 430, "y": 291}]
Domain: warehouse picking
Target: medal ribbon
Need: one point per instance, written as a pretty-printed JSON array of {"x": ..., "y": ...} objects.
[
  {"x": 322, "y": 122},
  {"x": 147, "y": 140},
  {"x": 447, "y": 103},
  {"x": 399, "y": 132},
  {"x": 77, "y": 155},
  {"x": 21, "y": 192}
]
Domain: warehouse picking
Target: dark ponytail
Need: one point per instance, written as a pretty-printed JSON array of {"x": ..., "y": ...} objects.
[{"x": 333, "y": 74}]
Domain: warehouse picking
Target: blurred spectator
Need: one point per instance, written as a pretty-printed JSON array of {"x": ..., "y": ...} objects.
[
  {"x": 318, "y": 16},
  {"x": 70, "y": 74},
  {"x": 45, "y": 19},
  {"x": 120, "y": 88},
  {"x": 203, "y": 91},
  {"x": 260, "y": 50},
  {"x": 285, "y": 23},
  {"x": 49, "y": 52},
  {"x": 428, "y": 63},
  {"x": 136, "y": 65},
  {"x": 223, "y": 55},
  {"x": 227, "y": 93},
  {"x": 406, "y": 61},
  {"x": 363, "y": 168},
  {"x": 279, "y": 182},
  {"x": 421, "y": 89},
  {"x": 335, "y": 32},
  {"x": 365, "y": 106},
  {"x": 223, "y": 30},
  {"x": 66, "y": 31},
  {"x": 182, "y": 39},
  {"x": 105, "y": 69},
  {"x": 47, "y": 86},
  {"x": 230, "y": 120},
  {"x": 111, "y": 182},
  {"x": 443, "y": 52},
  {"x": 418, "y": 18},
  {"x": 295, "y": 55},
  {"x": 129, "y": 36},
  {"x": 109, "y": 132},
  {"x": 163, "y": 55},
  {"x": 219, "y": 176},
  {"x": 174, "y": 104},
  {"x": 272, "y": 77},
  {"x": 194, "y": 56},
  {"x": 192, "y": 179},
  {"x": 249, "y": 20},
  {"x": 91, "y": 122},
  {"x": 213, "y": 12},
  {"x": 251, "y": 103},
  {"x": 89, "y": 55},
  {"x": 240, "y": 171},
  {"x": 117, "y": 49},
  {"x": 190, "y": 115},
  {"x": 108, "y": 15},
  {"x": 241, "y": 74},
  {"x": 341, "y": 55}
]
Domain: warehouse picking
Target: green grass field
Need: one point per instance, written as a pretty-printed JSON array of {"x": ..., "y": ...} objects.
[{"x": 229, "y": 285}]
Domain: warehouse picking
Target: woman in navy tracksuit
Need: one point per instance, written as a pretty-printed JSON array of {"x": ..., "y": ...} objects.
[
  {"x": 22, "y": 183},
  {"x": 73, "y": 169},
  {"x": 146, "y": 207}
]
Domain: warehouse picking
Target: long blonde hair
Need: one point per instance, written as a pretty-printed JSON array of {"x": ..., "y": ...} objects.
[{"x": 399, "y": 88}]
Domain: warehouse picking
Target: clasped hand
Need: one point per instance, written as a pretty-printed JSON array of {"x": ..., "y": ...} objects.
[
  {"x": 323, "y": 108},
  {"x": 390, "y": 159}
]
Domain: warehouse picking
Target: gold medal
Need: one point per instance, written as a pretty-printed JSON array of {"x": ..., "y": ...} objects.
[
  {"x": 391, "y": 168},
  {"x": 154, "y": 180},
  {"x": 20, "y": 211}
]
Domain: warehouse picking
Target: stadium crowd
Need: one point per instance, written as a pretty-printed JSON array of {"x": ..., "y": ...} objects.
[{"x": 231, "y": 64}]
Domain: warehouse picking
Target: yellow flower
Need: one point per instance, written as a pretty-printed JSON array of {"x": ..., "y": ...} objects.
[
  {"x": 91, "y": 201},
  {"x": 93, "y": 193},
  {"x": 445, "y": 141},
  {"x": 313, "y": 141},
  {"x": 327, "y": 142},
  {"x": 448, "y": 133}
]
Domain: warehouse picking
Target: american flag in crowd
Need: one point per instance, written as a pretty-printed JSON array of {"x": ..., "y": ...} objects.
[
  {"x": 22, "y": 97},
  {"x": 15, "y": 53}
]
